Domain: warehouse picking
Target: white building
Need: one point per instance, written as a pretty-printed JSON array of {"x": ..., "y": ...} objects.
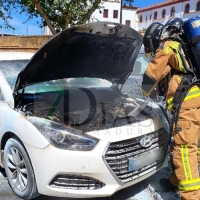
[
  {"x": 162, "y": 12},
  {"x": 141, "y": 18},
  {"x": 111, "y": 12}
]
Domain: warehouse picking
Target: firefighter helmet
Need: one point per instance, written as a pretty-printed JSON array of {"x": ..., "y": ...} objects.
[
  {"x": 173, "y": 26},
  {"x": 151, "y": 37}
]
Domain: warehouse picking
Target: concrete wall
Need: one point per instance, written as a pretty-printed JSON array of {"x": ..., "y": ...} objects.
[{"x": 22, "y": 43}]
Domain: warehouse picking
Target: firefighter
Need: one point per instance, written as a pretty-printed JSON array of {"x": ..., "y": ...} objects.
[{"x": 168, "y": 64}]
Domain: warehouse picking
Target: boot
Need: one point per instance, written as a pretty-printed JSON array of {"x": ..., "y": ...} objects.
[{"x": 166, "y": 183}]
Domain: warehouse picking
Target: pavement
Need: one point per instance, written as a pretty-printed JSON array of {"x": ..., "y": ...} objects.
[{"x": 149, "y": 189}]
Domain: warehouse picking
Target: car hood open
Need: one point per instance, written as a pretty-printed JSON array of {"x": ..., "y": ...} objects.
[{"x": 100, "y": 49}]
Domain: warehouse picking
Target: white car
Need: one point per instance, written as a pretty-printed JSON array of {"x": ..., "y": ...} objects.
[{"x": 66, "y": 130}]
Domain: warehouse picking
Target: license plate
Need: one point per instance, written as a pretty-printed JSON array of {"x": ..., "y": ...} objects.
[{"x": 146, "y": 160}]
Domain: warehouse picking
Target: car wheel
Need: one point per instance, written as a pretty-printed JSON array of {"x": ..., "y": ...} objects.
[{"x": 19, "y": 170}]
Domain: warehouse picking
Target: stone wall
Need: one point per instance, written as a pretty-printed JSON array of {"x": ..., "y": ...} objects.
[{"x": 22, "y": 43}]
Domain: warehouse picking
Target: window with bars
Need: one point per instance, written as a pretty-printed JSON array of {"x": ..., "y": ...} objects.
[
  {"x": 155, "y": 15},
  {"x": 105, "y": 13},
  {"x": 163, "y": 13},
  {"x": 198, "y": 6},
  {"x": 173, "y": 12},
  {"x": 128, "y": 22},
  {"x": 140, "y": 18},
  {"x": 115, "y": 14},
  {"x": 187, "y": 8}
]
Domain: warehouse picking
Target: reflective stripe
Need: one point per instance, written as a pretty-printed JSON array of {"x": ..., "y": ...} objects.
[
  {"x": 185, "y": 162},
  {"x": 193, "y": 93},
  {"x": 169, "y": 103},
  {"x": 190, "y": 185},
  {"x": 182, "y": 69},
  {"x": 169, "y": 48},
  {"x": 175, "y": 46},
  {"x": 145, "y": 93}
]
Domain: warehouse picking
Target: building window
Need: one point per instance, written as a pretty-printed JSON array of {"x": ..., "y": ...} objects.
[
  {"x": 163, "y": 13},
  {"x": 150, "y": 17},
  {"x": 105, "y": 13},
  {"x": 146, "y": 18},
  {"x": 187, "y": 8},
  {"x": 173, "y": 12},
  {"x": 140, "y": 18},
  {"x": 128, "y": 22},
  {"x": 115, "y": 14},
  {"x": 198, "y": 6},
  {"x": 155, "y": 15}
]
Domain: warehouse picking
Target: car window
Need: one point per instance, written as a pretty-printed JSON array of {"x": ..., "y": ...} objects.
[
  {"x": 140, "y": 65},
  {"x": 10, "y": 70}
]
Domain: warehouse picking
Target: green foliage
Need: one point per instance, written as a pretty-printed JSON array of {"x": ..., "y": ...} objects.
[
  {"x": 56, "y": 14},
  {"x": 60, "y": 13}
]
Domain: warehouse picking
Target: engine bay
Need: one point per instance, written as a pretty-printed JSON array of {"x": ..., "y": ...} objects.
[{"x": 81, "y": 108}]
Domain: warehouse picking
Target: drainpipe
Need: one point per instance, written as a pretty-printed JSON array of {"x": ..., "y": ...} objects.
[{"x": 121, "y": 4}]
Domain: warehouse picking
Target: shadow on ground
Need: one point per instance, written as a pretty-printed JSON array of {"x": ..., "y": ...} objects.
[{"x": 2, "y": 171}]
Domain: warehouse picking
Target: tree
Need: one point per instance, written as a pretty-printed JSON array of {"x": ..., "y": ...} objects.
[{"x": 56, "y": 14}]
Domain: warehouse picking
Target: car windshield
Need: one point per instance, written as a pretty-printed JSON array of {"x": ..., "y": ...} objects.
[
  {"x": 55, "y": 85},
  {"x": 11, "y": 69}
]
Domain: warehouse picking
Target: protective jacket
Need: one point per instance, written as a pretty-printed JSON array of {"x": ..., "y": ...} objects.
[{"x": 168, "y": 65}]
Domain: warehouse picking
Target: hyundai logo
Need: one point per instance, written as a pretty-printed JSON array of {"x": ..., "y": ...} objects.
[{"x": 146, "y": 141}]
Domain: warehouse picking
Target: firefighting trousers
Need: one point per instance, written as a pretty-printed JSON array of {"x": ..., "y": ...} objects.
[{"x": 185, "y": 154}]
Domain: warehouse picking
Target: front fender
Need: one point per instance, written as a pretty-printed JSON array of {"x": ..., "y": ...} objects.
[{"x": 16, "y": 123}]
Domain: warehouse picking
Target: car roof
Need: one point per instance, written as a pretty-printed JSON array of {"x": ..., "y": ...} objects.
[{"x": 15, "y": 55}]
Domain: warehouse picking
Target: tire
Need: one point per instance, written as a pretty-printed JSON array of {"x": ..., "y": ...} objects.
[{"x": 19, "y": 170}]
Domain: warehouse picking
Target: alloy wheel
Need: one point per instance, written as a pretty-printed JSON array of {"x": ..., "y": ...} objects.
[{"x": 17, "y": 169}]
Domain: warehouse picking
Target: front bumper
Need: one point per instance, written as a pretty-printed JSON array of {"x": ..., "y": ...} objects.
[{"x": 51, "y": 163}]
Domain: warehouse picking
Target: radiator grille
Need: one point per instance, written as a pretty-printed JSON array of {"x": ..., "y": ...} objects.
[{"x": 118, "y": 156}]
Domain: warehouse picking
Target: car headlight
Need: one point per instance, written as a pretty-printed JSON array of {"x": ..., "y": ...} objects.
[{"x": 63, "y": 137}]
